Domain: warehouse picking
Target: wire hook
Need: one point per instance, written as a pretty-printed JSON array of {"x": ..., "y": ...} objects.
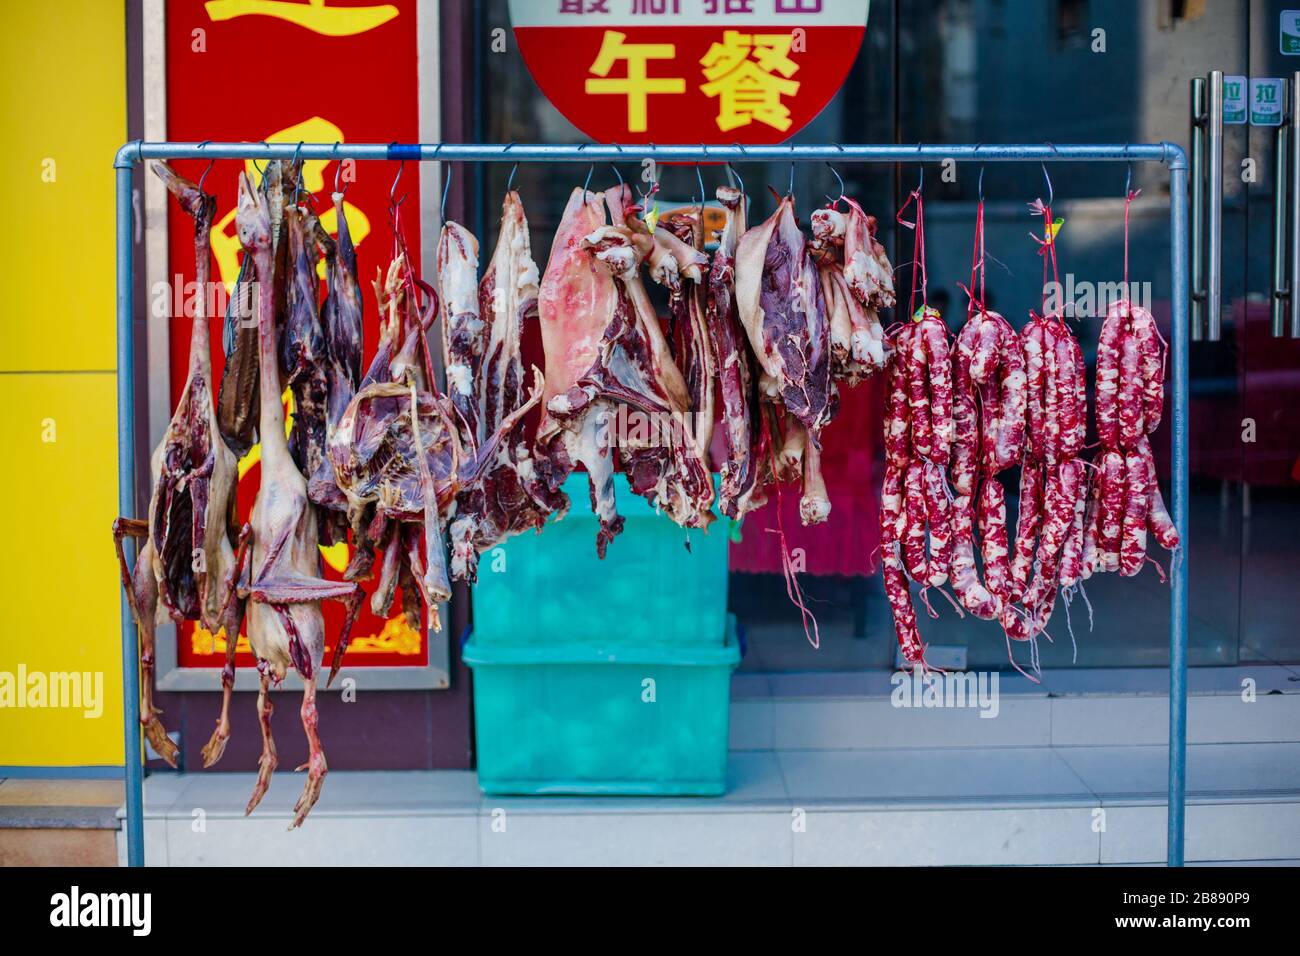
[
  {"x": 338, "y": 165},
  {"x": 209, "y": 167},
  {"x": 699, "y": 178},
  {"x": 393, "y": 201},
  {"x": 839, "y": 179},
  {"x": 211, "y": 163},
  {"x": 981, "y": 184},
  {"x": 587, "y": 182},
  {"x": 511, "y": 181},
  {"x": 1050, "y": 193},
  {"x": 446, "y": 187},
  {"x": 736, "y": 173}
]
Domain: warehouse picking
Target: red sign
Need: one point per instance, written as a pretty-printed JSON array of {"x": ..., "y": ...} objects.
[
  {"x": 689, "y": 71},
  {"x": 288, "y": 71}
]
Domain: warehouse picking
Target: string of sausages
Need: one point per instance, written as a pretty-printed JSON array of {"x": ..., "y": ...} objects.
[
  {"x": 993, "y": 400},
  {"x": 915, "y": 503},
  {"x": 1125, "y": 502}
]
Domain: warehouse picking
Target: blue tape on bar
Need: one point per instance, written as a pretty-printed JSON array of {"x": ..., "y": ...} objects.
[{"x": 404, "y": 151}]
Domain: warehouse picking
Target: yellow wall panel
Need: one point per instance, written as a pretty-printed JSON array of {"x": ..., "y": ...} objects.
[
  {"x": 63, "y": 99},
  {"x": 58, "y": 575}
]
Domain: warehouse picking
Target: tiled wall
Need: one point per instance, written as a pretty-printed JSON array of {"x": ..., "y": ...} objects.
[{"x": 63, "y": 98}]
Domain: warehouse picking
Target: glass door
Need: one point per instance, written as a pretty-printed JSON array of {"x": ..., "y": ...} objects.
[
  {"x": 1270, "y": 430},
  {"x": 1080, "y": 71}
]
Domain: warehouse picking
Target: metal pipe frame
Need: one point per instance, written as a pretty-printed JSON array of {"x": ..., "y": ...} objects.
[{"x": 1171, "y": 154}]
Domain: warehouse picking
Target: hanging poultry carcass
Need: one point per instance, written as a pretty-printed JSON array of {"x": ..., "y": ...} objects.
[
  {"x": 399, "y": 457},
  {"x": 185, "y": 566},
  {"x": 606, "y": 356},
  {"x": 510, "y": 496},
  {"x": 237, "y": 402},
  {"x": 286, "y": 628},
  {"x": 341, "y": 325},
  {"x": 376, "y": 465},
  {"x": 303, "y": 356}
]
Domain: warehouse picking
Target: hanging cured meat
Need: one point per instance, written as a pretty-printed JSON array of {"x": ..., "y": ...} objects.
[
  {"x": 918, "y": 527},
  {"x": 780, "y": 302},
  {"x": 1130, "y": 397},
  {"x": 185, "y": 567},
  {"x": 285, "y": 626},
  {"x": 747, "y": 469},
  {"x": 510, "y": 496},
  {"x": 605, "y": 351},
  {"x": 857, "y": 283}
]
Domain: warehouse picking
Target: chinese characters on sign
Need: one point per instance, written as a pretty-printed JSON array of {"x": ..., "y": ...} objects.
[{"x": 689, "y": 70}]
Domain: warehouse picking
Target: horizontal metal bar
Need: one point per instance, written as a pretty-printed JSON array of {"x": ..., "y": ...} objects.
[{"x": 1169, "y": 153}]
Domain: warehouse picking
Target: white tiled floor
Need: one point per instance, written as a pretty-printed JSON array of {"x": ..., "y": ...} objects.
[{"x": 999, "y": 805}]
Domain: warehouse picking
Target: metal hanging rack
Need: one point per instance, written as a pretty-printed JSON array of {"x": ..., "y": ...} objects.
[{"x": 1170, "y": 154}]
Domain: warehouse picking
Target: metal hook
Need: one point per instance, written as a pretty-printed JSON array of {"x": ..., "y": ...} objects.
[
  {"x": 338, "y": 169},
  {"x": 446, "y": 186},
  {"x": 260, "y": 172},
  {"x": 1050, "y": 194},
  {"x": 617, "y": 174},
  {"x": 393, "y": 201},
  {"x": 1128, "y": 179},
  {"x": 735, "y": 172},
  {"x": 511, "y": 181},
  {"x": 587, "y": 182},
  {"x": 981, "y": 184},
  {"x": 211, "y": 163},
  {"x": 699, "y": 178},
  {"x": 920, "y": 182},
  {"x": 840, "y": 179}
]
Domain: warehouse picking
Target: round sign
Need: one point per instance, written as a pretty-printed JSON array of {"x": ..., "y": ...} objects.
[{"x": 689, "y": 71}]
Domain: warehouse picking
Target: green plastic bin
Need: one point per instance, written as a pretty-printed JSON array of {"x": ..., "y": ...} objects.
[
  {"x": 649, "y": 589},
  {"x": 573, "y": 717}
]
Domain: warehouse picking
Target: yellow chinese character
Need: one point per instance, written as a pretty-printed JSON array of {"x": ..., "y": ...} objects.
[
  {"x": 313, "y": 15},
  {"x": 750, "y": 88},
  {"x": 637, "y": 85}
]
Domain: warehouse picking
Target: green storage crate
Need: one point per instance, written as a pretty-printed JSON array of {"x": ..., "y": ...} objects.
[
  {"x": 573, "y": 717},
  {"x": 649, "y": 589}
]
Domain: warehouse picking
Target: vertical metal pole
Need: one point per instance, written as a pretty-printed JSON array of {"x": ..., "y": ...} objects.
[
  {"x": 126, "y": 507},
  {"x": 1179, "y": 339}
]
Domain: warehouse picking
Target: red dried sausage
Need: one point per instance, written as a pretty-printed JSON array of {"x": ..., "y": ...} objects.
[
  {"x": 1027, "y": 522},
  {"x": 1133, "y": 531}
]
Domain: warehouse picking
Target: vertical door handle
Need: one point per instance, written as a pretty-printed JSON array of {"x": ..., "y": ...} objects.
[
  {"x": 1214, "y": 263},
  {"x": 1295, "y": 202},
  {"x": 1200, "y": 116},
  {"x": 1282, "y": 171}
]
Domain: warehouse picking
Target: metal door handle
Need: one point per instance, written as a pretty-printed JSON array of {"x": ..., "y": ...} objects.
[
  {"x": 1295, "y": 202},
  {"x": 1214, "y": 265},
  {"x": 1282, "y": 172},
  {"x": 1199, "y": 118}
]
